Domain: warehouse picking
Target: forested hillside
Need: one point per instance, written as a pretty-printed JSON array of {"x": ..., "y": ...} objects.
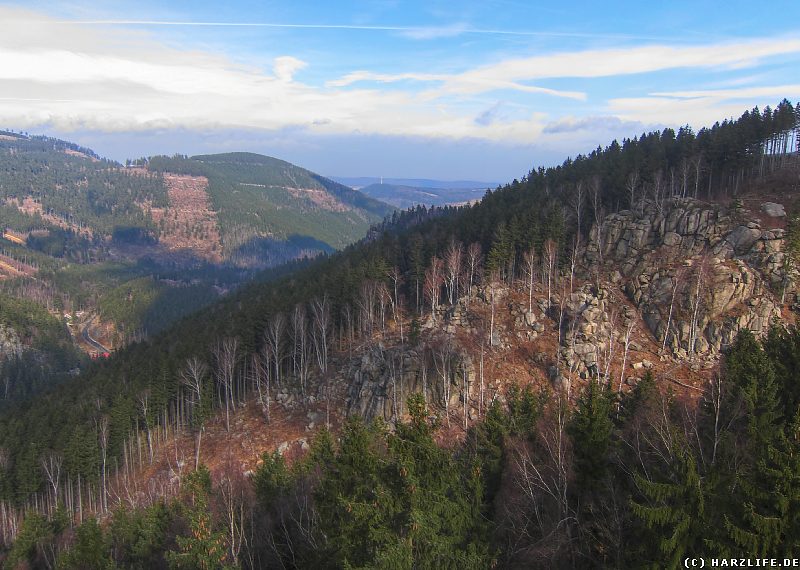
[
  {"x": 123, "y": 252},
  {"x": 262, "y": 201},
  {"x": 403, "y": 196},
  {"x": 591, "y": 367},
  {"x": 67, "y": 186}
]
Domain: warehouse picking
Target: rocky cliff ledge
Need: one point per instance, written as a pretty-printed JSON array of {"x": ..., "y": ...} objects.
[{"x": 697, "y": 272}]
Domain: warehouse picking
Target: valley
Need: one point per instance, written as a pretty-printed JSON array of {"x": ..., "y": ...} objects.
[{"x": 135, "y": 248}]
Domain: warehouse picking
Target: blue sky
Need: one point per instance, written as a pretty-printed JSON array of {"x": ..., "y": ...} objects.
[{"x": 479, "y": 90}]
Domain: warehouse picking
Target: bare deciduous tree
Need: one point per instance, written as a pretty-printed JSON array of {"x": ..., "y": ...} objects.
[
  {"x": 276, "y": 330},
  {"x": 51, "y": 465},
  {"x": 549, "y": 263},
  {"x": 397, "y": 278},
  {"x": 301, "y": 349},
  {"x": 443, "y": 360},
  {"x": 146, "y": 411},
  {"x": 433, "y": 284},
  {"x": 474, "y": 259},
  {"x": 321, "y": 330},
  {"x": 226, "y": 355},
  {"x": 529, "y": 262},
  {"x": 632, "y": 186},
  {"x": 102, "y": 435},
  {"x": 262, "y": 371},
  {"x": 628, "y": 334},
  {"x": 193, "y": 376},
  {"x": 453, "y": 259}
]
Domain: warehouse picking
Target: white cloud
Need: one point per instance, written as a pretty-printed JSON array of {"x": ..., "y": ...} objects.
[
  {"x": 696, "y": 107},
  {"x": 453, "y": 84},
  {"x": 286, "y": 66},
  {"x": 90, "y": 77}
]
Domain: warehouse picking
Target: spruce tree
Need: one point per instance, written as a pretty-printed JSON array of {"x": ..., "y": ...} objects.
[
  {"x": 760, "y": 519},
  {"x": 673, "y": 509}
]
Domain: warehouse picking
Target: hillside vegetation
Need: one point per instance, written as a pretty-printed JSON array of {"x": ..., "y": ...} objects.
[
  {"x": 260, "y": 199},
  {"x": 628, "y": 442},
  {"x": 139, "y": 249}
]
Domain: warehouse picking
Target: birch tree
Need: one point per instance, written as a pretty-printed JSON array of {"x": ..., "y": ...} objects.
[
  {"x": 474, "y": 258},
  {"x": 432, "y": 284},
  {"x": 275, "y": 333},
  {"x": 300, "y": 350},
  {"x": 529, "y": 262},
  {"x": 51, "y": 463},
  {"x": 193, "y": 377},
  {"x": 454, "y": 257},
  {"x": 226, "y": 355}
]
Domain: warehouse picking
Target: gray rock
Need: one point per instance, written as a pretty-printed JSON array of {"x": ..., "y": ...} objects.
[
  {"x": 672, "y": 239},
  {"x": 742, "y": 238},
  {"x": 773, "y": 209}
]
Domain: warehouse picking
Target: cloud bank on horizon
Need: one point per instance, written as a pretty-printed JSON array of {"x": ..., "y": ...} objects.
[{"x": 81, "y": 71}]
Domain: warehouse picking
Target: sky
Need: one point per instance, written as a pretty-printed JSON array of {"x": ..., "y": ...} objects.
[{"x": 450, "y": 90}]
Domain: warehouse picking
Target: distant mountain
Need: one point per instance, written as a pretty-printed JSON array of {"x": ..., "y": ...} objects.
[
  {"x": 359, "y": 182},
  {"x": 405, "y": 197},
  {"x": 407, "y": 192}
]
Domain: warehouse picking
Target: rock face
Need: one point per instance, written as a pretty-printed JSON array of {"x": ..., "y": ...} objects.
[
  {"x": 379, "y": 382},
  {"x": 696, "y": 273},
  {"x": 10, "y": 344},
  {"x": 589, "y": 318}
]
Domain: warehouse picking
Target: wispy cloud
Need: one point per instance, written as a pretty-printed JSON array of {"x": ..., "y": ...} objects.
[
  {"x": 739, "y": 93},
  {"x": 413, "y": 32},
  {"x": 696, "y": 107},
  {"x": 457, "y": 84},
  {"x": 593, "y": 64}
]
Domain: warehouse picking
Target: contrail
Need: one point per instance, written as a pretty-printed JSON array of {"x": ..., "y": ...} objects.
[{"x": 444, "y": 30}]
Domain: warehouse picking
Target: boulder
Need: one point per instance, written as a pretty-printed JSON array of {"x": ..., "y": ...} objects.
[
  {"x": 773, "y": 209},
  {"x": 742, "y": 238}
]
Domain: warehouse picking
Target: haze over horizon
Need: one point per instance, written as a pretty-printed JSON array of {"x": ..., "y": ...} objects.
[{"x": 484, "y": 91}]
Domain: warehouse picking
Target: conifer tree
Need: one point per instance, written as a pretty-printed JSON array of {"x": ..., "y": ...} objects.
[
  {"x": 767, "y": 483},
  {"x": 674, "y": 511}
]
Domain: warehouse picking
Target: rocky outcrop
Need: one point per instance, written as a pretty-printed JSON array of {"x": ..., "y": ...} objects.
[
  {"x": 592, "y": 321},
  {"x": 379, "y": 382},
  {"x": 699, "y": 307},
  {"x": 697, "y": 272},
  {"x": 10, "y": 343}
]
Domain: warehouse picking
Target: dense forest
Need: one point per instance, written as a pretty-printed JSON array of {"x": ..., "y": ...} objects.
[
  {"x": 74, "y": 186},
  {"x": 617, "y": 479}
]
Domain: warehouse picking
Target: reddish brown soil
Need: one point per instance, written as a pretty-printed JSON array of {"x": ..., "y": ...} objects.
[
  {"x": 188, "y": 223},
  {"x": 29, "y": 206},
  {"x": 320, "y": 198},
  {"x": 10, "y": 267}
]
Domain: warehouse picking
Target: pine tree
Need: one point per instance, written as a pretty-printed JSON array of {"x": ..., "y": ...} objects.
[{"x": 90, "y": 551}]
